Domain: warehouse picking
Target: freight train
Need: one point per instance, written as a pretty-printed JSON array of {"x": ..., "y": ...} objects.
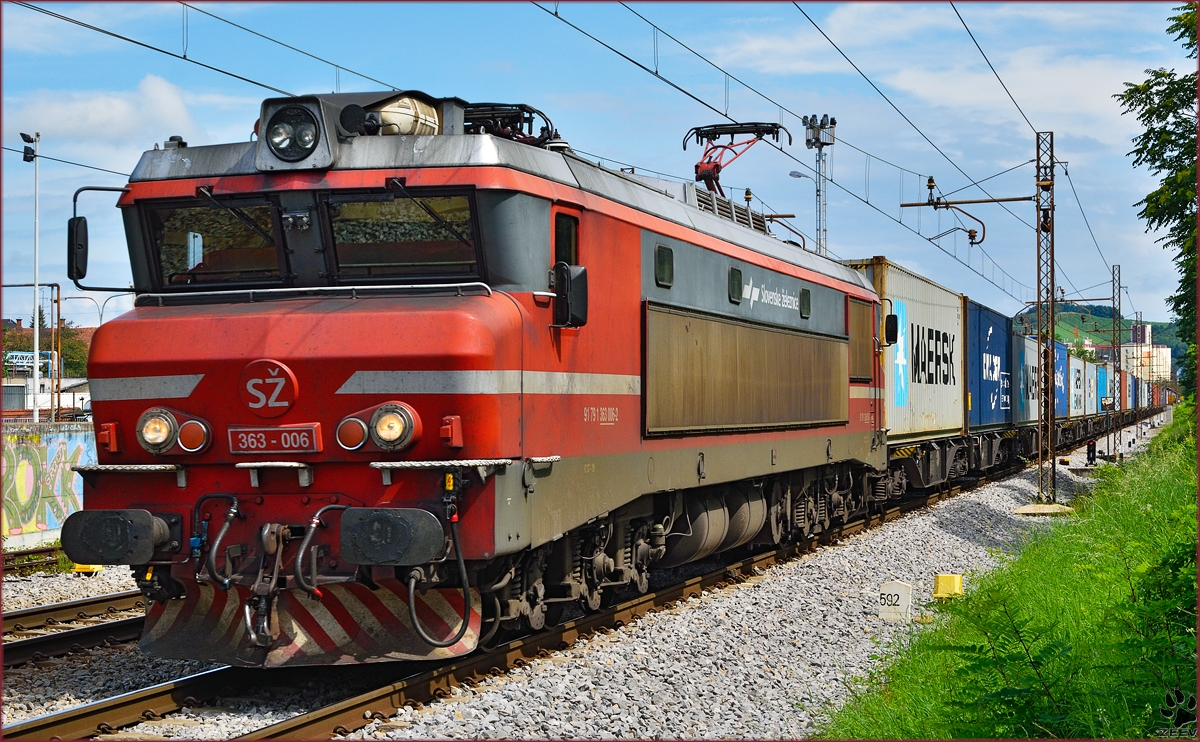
[{"x": 403, "y": 372}]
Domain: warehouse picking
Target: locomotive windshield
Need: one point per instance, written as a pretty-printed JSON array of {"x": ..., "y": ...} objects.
[
  {"x": 205, "y": 244},
  {"x": 389, "y": 235}
]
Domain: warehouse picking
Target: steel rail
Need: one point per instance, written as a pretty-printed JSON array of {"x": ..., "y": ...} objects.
[
  {"x": 46, "y": 556},
  {"x": 20, "y": 651},
  {"x": 28, "y": 618},
  {"x": 110, "y": 714}
]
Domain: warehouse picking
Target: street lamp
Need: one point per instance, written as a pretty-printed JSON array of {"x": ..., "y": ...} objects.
[
  {"x": 31, "y": 155},
  {"x": 819, "y": 232}
]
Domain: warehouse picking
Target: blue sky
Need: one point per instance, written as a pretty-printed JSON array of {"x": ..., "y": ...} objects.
[{"x": 102, "y": 101}]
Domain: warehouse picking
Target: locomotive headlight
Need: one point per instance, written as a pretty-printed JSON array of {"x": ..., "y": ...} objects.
[
  {"x": 391, "y": 427},
  {"x": 292, "y": 133},
  {"x": 157, "y": 430}
]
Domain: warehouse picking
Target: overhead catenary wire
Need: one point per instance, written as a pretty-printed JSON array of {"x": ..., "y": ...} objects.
[
  {"x": 151, "y": 47},
  {"x": 918, "y": 129},
  {"x": 68, "y": 162},
  {"x": 1085, "y": 219},
  {"x": 792, "y": 157},
  {"x": 984, "y": 180},
  {"x": 1034, "y": 129},
  {"x": 993, "y": 69},
  {"x": 729, "y": 76},
  {"x": 288, "y": 46}
]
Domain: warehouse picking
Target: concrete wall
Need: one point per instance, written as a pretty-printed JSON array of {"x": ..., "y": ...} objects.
[{"x": 40, "y": 490}]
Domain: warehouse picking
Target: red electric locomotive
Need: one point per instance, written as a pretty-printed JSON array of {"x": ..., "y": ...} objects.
[{"x": 402, "y": 372}]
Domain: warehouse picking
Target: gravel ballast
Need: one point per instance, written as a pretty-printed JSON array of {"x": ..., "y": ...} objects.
[
  {"x": 43, "y": 588},
  {"x": 768, "y": 658}
]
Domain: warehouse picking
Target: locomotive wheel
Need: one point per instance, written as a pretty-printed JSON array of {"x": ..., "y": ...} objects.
[
  {"x": 642, "y": 581},
  {"x": 591, "y": 602}
]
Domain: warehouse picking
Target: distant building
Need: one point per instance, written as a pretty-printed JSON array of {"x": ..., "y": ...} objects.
[{"x": 1152, "y": 362}]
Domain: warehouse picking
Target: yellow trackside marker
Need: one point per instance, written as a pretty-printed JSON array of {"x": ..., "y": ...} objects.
[
  {"x": 947, "y": 586},
  {"x": 449, "y": 482}
]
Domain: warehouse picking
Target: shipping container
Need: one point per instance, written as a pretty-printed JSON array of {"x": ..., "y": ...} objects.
[
  {"x": 1123, "y": 389},
  {"x": 1025, "y": 379},
  {"x": 1075, "y": 391},
  {"x": 924, "y": 371},
  {"x": 1061, "y": 384},
  {"x": 1103, "y": 389},
  {"x": 1135, "y": 392},
  {"x": 989, "y": 381},
  {"x": 1090, "y": 378}
]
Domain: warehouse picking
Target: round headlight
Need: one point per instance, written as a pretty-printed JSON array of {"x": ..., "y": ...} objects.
[
  {"x": 293, "y": 133},
  {"x": 391, "y": 427},
  {"x": 157, "y": 430},
  {"x": 281, "y": 135}
]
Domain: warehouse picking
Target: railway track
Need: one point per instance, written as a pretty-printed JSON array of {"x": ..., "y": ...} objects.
[
  {"x": 59, "y": 628},
  {"x": 427, "y": 683},
  {"x": 24, "y": 561}
]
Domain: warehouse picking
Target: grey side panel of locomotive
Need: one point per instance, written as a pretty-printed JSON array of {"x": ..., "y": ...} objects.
[
  {"x": 701, "y": 282},
  {"x": 924, "y": 372}
]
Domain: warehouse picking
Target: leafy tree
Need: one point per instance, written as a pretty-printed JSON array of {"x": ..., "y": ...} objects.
[{"x": 1165, "y": 104}]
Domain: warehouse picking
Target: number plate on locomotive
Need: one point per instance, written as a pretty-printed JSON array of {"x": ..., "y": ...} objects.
[{"x": 283, "y": 439}]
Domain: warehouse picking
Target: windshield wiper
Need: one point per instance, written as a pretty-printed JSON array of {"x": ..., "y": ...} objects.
[
  {"x": 206, "y": 191},
  {"x": 399, "y": 185}
]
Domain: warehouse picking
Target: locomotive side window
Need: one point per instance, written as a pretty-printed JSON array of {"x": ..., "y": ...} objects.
[
  {"x": 566, "y": 239},
  {"x": 735, "y": 285},
  {"x": 413, "y": 237},
  {"x": 805, "y": 303},
  {"x": 664, "y": 266},
  {"x": 204, "y": 244}
]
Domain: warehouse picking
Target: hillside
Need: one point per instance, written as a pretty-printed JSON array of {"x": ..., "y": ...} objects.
[{"x": 1081, "y": 321}]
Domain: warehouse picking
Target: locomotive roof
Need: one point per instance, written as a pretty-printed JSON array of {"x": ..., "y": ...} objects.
[{"x": 675, "y": 202}]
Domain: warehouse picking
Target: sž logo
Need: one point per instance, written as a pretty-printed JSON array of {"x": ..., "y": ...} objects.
[{"x": 268, "y": 388}]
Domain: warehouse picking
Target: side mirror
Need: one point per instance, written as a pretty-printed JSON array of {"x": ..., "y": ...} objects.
[
  {"x": 77, "y": 247},
  {"x": 571, "y": 295},
  {"x": 891, "y": 329}
]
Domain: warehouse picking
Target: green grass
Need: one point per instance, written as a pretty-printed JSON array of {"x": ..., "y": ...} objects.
[{"x": 1081, "y": 635}]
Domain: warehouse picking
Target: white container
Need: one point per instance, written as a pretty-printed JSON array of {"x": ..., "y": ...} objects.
[
  {"x": 1024, "y": 379},
  {"x": 1076, "y": 393},
  {"x": 925, "y": 371},
  {"x": 1091, "y": 401}
]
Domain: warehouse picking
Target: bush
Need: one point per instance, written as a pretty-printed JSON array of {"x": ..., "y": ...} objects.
[{"x": 1083, "y": 634}]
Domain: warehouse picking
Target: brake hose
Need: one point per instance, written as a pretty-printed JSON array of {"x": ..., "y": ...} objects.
[
  {"x": 211, "y": 562},
  {"x": 298, "y": 566},
  {"x": 462, "y": 574}
]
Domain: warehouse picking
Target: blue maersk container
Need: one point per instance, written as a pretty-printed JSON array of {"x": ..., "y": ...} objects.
[
  {"x": 989, "y": 380},
  {"x": 1061, "y": 390},
  {"x": 1102, "y": 390}
]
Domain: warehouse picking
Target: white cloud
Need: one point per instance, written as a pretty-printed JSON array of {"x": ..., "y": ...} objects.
[{"x": 104, "y": 128}]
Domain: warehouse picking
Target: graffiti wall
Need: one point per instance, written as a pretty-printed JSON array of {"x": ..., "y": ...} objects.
[{"x": 40, "y": 490}]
